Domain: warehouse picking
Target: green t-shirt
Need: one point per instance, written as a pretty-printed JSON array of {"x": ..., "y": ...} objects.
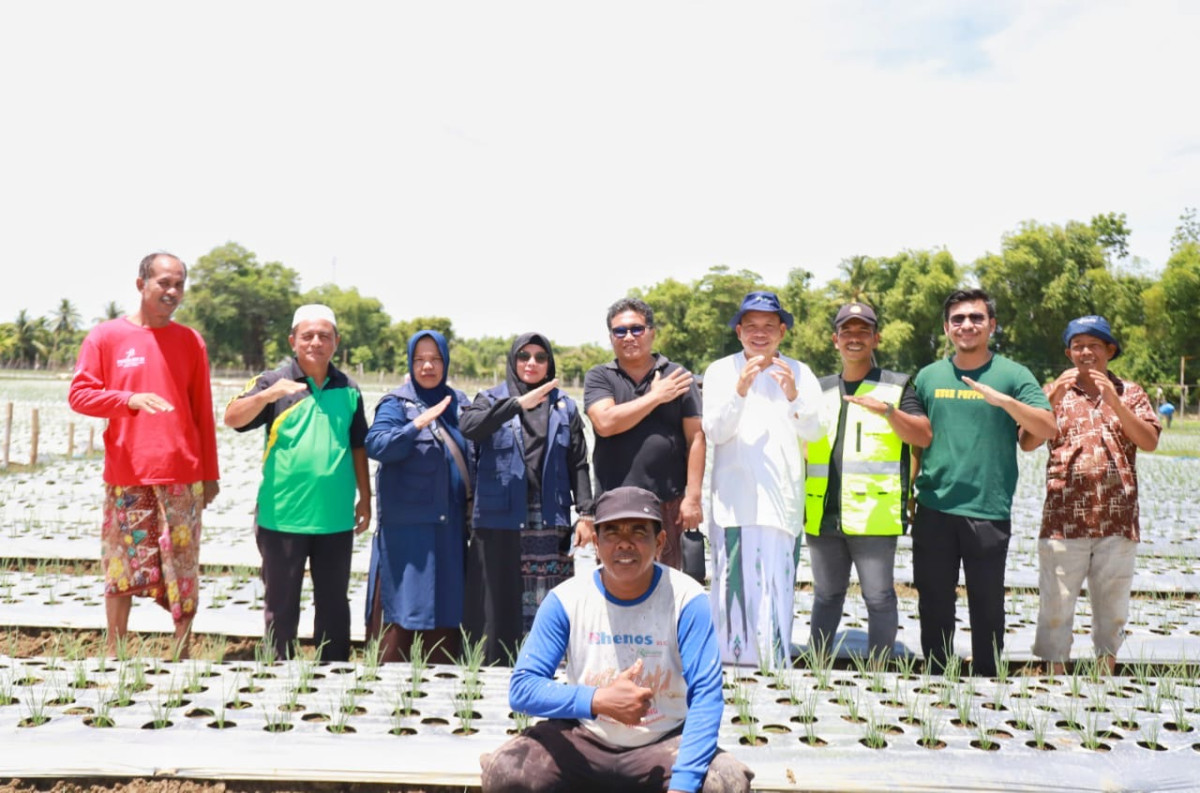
[
  {"x": 970, "y": 468},
  {"x": 309, "y": 484}
]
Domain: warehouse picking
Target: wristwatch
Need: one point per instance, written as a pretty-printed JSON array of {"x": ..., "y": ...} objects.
[{"x": 889, "y": 410}]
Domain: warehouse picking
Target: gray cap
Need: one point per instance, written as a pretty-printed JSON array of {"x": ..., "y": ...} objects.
[
  {"x": 627, "y": 502},
  {"x": 851, "y": 311}
]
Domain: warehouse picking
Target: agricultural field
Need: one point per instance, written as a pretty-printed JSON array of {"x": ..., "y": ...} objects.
[{"x": 233, "y": 712}]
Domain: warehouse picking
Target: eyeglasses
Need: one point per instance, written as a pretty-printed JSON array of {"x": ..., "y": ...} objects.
[
  {"x": 524, "y": 355},
  {"x": 620, "y": 331},
  {"x": 976, "y": 318}
]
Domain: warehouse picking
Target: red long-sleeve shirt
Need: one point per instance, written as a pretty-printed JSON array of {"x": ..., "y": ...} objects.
[{"x": 119, "y": 359}]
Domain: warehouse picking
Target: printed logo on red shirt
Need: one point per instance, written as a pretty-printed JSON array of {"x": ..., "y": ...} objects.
[{"x": 131, "y": 359}]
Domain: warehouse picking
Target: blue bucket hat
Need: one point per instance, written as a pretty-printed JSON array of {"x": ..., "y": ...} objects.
[
  {"x": 1091, "y": 325},
  {"x": 762, "y": 301}
]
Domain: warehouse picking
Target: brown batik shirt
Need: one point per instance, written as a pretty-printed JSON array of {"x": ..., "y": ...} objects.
[{"x": 1091, "y": 476}]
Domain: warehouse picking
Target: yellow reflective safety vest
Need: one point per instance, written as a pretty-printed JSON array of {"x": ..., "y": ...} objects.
[{"x": 874, "y": 465}]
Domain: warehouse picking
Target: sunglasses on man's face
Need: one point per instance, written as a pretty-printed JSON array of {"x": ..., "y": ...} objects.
[
  {"x": 620, "y": 331},
  {"x": 976, "y": 318},
  {"x": 524, "y": 355}
]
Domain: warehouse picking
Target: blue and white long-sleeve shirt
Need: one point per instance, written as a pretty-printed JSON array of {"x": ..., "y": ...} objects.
[{"x": 669, "y": 628}]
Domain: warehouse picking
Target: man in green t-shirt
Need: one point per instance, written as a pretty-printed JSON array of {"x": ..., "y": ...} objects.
[
  {"x": 976, "y": 402},
  {"x": 314, "y": 463}
]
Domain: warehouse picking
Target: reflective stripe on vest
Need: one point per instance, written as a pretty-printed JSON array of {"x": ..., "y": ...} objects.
[{"x": 871, "y": 496}]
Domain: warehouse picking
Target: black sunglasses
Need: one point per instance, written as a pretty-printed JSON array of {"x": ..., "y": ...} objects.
[
  {"x": 525, "y": 355},
  {"x": 975, "y": 317},
  {"x": 621, "y": 330}
]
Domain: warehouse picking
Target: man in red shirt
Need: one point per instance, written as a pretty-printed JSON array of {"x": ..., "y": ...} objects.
[{"x": 149, "y": 377}]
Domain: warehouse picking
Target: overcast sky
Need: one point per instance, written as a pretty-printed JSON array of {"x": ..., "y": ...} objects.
[{"x": 519, "y": 166}]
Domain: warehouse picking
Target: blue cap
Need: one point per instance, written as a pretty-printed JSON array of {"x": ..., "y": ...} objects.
[
  {"x": 1091, "y": 325},
  {"x": 762, "y": 301}
]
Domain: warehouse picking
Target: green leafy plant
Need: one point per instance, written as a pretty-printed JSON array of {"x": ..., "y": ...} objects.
[
  {"x": 874, "y": 735},
  {"x": 744, "y": 703},
  {"x": 278, "y": 720},
  {"x": 160, "y": 713},
  {"x": 905, "y": 664},
  {"x": 34, "y": 707},
  {"x": 932, "y": 722},
  {"x": 1041, "y": 726}
]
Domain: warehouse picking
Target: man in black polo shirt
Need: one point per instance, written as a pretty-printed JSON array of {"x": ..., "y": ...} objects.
[
  {"x": 645, "y": 411},
  {"x": 314, "y": 463}
]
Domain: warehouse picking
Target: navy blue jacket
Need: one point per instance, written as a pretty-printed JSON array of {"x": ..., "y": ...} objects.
[
  {"x": 501, "y": 486},
  {"x": 417, "y": 475}
]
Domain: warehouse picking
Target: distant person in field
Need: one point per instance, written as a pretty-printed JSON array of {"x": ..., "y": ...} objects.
[
  {"x": 314, "y": 463},
  {"x": 1090, "y": 524},
  {"x": 645, "y": 412},
  {"x": 641, "y": 704},
  {"x": 149, "y": 377}
]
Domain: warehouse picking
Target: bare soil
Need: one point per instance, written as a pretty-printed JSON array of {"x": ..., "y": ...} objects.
[
  {"x": 113, "y": 785},
  {"x": 24, "y": 642}
]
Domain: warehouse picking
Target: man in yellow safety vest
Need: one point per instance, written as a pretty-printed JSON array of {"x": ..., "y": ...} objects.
[{"x": 857, "y": 483}]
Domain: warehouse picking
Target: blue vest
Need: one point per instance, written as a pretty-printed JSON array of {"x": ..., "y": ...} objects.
[{"x": 501, "y": 487}]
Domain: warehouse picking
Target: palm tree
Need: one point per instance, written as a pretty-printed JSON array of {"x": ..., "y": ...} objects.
[
  {"x": 862, "y": 281},
  {"x": 64, "y": 326},
  {"x": 29, "y": 339}
]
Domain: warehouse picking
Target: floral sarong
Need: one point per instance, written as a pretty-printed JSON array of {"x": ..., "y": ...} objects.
[{"x": 150, "y": 543}]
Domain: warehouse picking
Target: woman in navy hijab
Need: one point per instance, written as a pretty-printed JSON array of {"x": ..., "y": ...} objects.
[
  {"x": 533, "y": 466},
  {"x": 417, "y": 556}
]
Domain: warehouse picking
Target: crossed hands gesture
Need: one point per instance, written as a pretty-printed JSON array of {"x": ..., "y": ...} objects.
[
  {"x": 536, "y": 396},
  {"x": 776, "y": 368},
  {"x": 431, "y": 415},
  {"x": 1089, "y": 380}
]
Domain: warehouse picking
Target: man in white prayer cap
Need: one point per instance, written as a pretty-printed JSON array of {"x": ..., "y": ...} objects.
[{"x": 314, "y": 463}]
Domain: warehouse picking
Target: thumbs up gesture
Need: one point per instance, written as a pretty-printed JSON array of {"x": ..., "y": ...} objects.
[{"x": 623, "y": 699}]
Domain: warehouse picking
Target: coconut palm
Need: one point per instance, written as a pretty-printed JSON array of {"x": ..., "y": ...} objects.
[
  {"x": 29, "y": 339},
  {"x": 64, "y": 329}
]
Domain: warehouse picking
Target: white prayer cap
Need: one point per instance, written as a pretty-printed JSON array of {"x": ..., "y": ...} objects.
[{"x": 313, "y": 311}]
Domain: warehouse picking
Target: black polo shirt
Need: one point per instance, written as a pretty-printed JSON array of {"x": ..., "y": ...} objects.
[{"x": 653, "y": 453}]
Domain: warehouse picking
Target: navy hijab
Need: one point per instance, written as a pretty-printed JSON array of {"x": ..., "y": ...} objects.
[{"x": 432, "y": 396}]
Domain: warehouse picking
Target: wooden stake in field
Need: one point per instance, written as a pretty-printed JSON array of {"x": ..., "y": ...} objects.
[
  {"x": 70, "y": 440},
  {"x": 7, "y": 432},
  {"x": 33, "y": 442}
]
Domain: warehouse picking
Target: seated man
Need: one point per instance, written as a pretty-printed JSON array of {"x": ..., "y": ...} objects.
[{"x": 640, "y": 646}]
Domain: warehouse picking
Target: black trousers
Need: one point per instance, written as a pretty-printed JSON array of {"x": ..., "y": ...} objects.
[
  {"x": 492, "y": 604},
  {"x": 941, "y": 542},
  {"x": 284, "y": 556}
]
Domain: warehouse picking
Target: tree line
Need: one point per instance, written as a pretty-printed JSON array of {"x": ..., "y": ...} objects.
[{"x": 1043, "y": 276}]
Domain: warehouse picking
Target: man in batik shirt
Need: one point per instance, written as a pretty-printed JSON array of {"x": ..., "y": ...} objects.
[{"x": 1090, "y": 518}]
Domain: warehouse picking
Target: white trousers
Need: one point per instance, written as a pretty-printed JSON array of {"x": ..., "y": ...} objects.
[
  {"x": 1107, "y": 563},
  {"x": 753, "y": 594}
]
